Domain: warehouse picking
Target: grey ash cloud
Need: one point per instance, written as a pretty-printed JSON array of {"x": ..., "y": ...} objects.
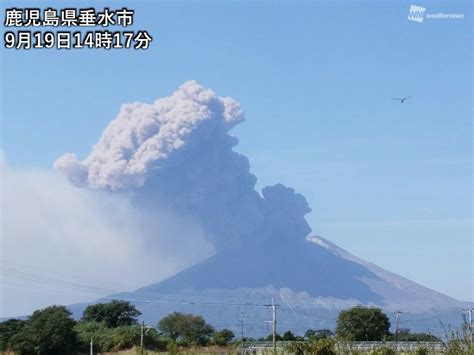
[{"x": 177, "y": 153}]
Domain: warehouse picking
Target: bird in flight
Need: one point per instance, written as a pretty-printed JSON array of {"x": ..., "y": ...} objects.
[{"x": 402, "y": 99}]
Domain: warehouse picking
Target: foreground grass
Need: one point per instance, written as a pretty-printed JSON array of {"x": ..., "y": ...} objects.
[
  {"x": 232, "y": 351},
  {"x": 201, "y": 351}
]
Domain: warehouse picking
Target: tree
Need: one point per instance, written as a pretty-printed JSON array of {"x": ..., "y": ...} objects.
[
  {"x": 288, "y": 336},
  {"x": 277, "y": 337},
  {"x": 309, "y": 333},
  {"x": 107, "y": 339},
  {"x": 318, "y": 334},
  {"x": 9, "y": 328},
  {"x": 223, "y": 337},
  {"x": 404, "y": 334},
  {"x": 187, "y": 329},
  {"x": 114, "y": 314},
  {"x": 362, "y": 323},
  {"x": 47, "y": 331}
]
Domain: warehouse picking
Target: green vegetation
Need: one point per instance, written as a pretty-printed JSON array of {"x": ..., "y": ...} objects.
[
  {"x": 363, "y": 324},
  {"x": 8, "y": 329},
  {"x": 48, "y": 331},
  {"x": 186, "y": 329},
  {"x": 113, "y": 314},
  {"x": 223, "y": 337},
  {"x": 114, "y": 339},
  {"x": 384, "y": 351},
  {"x": 316, "y": 346},
  {"x": 114, "y": 327},
  {"x": 404, "y": 334},
  {"x": 312, "y": 334}
]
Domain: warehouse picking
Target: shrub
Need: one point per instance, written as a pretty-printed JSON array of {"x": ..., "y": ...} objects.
[
  {"x": 455, "y": 347},
  {"x": 322, "y": 347},
  {"x": 222, "y": 337},
  {"x": 297, "y": 347},
  {"x": 422, "y": 351},
  {"x": 384, "y": 350},
  {"x": 315, "y": 347}
]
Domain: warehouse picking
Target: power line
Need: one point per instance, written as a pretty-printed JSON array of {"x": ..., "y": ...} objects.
[{"x": 203, "y": 299}]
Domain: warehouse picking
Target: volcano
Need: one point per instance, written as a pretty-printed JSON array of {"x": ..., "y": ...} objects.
[
  {"x": 310, "y": 281},
  {"x": 177, "y": 154}
]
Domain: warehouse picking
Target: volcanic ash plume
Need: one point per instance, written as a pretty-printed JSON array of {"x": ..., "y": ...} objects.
[{"x": 176, "y": 153}]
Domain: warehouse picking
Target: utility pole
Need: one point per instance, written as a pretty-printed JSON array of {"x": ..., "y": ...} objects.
[
  {"x": 141, "y": 337},
  {"x": 469, "y": 324},
  {"x": 242, "y": 325},
  {"x": 396, "y": 328},
  {"x": 92, "y": 347},
  {"x": 274, "y": 327},
  {"x": 274, "y": 322}
]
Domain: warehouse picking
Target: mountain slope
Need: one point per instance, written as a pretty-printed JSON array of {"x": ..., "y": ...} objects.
[
  {"x": 391, "y": 287},
  {"x": 311, "y": 281},
  {"x": 315, "y": 266}
]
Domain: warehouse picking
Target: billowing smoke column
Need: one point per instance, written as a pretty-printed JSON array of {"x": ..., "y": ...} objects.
[{"x": 176, "y": 154}]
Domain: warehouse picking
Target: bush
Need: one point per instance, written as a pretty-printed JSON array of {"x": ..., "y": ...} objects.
[
  {"x": 384, "y": 350},
  {"x": 322, "y": 347},
  {"x": 297, "y": 347},
  {"x": 222, "y": 337},
  {"x": 456, "y": 347},
  {"x": 172, "y": 347},
  {"x": 106, "y": 339},
  {"x": 315, "y": 347},
  {"x": 312, "y": 334},
  {"x": 116, "y": 339},
  {"x": 422, "y": 351}
]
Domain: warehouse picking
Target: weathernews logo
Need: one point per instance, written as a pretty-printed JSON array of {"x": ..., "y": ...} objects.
[{"x": 417, "y": 14}]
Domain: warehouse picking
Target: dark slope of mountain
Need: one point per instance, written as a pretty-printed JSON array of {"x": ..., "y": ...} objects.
[
  {"x": 299, "y": 266},
  {"x": 311, "y": 281},
  {"x": 315, "y": 266}
]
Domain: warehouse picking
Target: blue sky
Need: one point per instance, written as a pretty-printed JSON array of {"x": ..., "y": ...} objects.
[{"x": 391, "y": 183}]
